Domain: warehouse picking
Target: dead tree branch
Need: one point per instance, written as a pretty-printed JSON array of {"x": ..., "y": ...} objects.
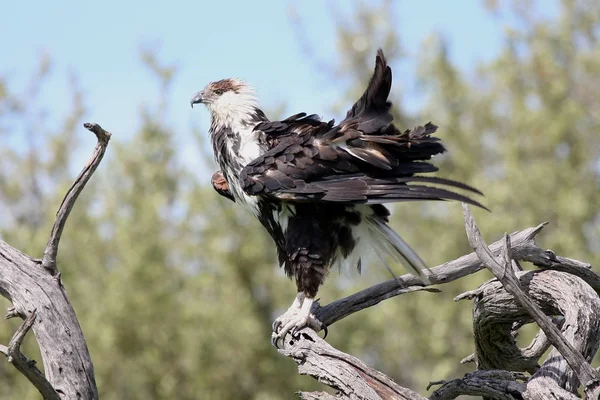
[
  {"x": 26, "y": 366},
  {"x": 495, "y": 313},
  {"x": 556, "y": 294},
  {"x": 495, "y": 384},
  {"x": 505, "y": 274},
  {"x": 35, "y": 290},
  {"x": 523, "y": 242},
  {"x": 49, "y": 259},
  {"x": 351, "y": 377},
  {"x": 523, "y": 248}
]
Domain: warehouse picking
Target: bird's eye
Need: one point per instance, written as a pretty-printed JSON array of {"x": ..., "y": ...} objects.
[{"x": 218, "y": 92}]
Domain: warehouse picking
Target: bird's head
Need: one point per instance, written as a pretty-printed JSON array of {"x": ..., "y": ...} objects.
[{"x": 228, "y": 100}]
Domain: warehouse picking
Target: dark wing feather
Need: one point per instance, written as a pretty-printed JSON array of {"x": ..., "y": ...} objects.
[
  {"x": 364, "y": 159},
  {"x": 375, "y": 98}
]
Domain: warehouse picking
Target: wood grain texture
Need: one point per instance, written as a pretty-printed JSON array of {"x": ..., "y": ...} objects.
[
  {"x": 564, "y": 291},
  {"x": 561, "y": 297},
  {"x": 35, "y": 289},
  {"x": 578, "y": 351},
  {"x": 352, "y": 378}
]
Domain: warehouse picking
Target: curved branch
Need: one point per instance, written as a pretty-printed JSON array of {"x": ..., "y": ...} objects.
[
  {"x": 523, "y": 247},
  {"x": 495, "y": 310},
  {"x": 494, "y": 332},
  {"x": 351, "y": 377},
  {"x": 38, "y": 294},
  {"x": 505, "y": 274},
  {"x": 49, "y": 259},
  {"x": 496, "y": 384},
  {"x": 23, "y": 364}
]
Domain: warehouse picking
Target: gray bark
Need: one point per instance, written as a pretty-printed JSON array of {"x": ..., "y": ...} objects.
[
  {"x": 35, "y": 289},
  {"x": 561, "y": 297},
  {"x": 352, "y": 378}
]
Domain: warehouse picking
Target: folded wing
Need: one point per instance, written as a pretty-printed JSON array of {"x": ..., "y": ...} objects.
[{"x": 364, "y": 159}]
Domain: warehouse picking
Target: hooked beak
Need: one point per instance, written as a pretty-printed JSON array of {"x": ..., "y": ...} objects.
[{"x": 197, "y": 98}]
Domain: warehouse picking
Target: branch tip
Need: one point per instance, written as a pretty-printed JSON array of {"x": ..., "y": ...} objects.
[
  {"x": 12, "y": 312},
  {"x": 468, "y": 359},
  {"x": 537, "y": 230},
  {"x": 51, "y": 251},
  {"x": 97, "y": 130},
  {"x": 469, "y": 295},
  {"x": 15, "y": 343},
  {"x": 434, "y": 383}
]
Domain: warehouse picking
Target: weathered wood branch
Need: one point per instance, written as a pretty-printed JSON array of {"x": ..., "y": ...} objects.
[
  {"x": 504, "y": 273},
  {"x": 559, "y": 291},
  {"x": 523, "y": 247},
  {"x": 24, "y": 365},
  {"x": 35, "y": 290},
  {"x": 495, "y": 312},
  {"x": 49, "y": 259},
  {"x": 351, "y": 377},
  {"x": 495, "y": 384}
]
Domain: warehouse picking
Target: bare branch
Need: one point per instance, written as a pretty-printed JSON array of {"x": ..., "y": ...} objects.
[
  {"x": 350, "y": 376},
  {"x": 523, "y": 248},
  {"x": 497, "y": 316},
  {"x": 496, "y": 384},
  {"x": 468, "y": 359},
  {"x": 342, "y": 308},
  {"x": 68, "y": 369},
  {"x": 49, "y": 259},
  {"x": 26, "y": 366},
  {"x": 317, "y": 396},
  {"x": 505, "y": 274},
  {"x": 546, "y": 259},
  {"x": 540, "y": 343},
  {"x": 523, "y": 242}
]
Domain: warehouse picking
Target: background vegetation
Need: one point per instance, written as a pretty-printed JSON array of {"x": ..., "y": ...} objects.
[{"x": 176, "y": 289}]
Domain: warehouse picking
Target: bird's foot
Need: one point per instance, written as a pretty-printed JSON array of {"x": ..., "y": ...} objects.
[
  {"x": 293, "y": 320},
  {"x": 293, "y": 310}
]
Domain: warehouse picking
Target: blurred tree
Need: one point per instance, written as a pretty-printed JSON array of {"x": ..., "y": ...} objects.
[
  {"x": 174, "y": 302},
  {"x": 176, "y": 288},
  {"x": 523, "y": 129},
  {"x": 33, "y": 168}
]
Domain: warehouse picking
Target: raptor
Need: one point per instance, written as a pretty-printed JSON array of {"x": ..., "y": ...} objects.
[{"x": 319, "y": 188}]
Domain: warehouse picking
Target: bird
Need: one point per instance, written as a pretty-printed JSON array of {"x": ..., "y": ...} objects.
[{"x": 320, "y": 189}]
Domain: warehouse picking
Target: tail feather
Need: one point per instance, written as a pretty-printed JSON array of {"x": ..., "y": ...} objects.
[{"x": 387, "y": 241}]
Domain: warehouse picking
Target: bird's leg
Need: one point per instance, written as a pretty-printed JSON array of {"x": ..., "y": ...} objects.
[
  {"x": 293, "y": 310},
  {"x": 295, "y": 318}
]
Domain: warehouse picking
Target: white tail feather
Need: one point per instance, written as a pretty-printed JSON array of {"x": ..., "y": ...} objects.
[
  {"x": 388, "y": 242},
  {"x": 374, "y": 235}
]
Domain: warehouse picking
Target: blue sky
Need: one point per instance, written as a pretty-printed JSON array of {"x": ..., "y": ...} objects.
[{"x": 208, "y": 40}]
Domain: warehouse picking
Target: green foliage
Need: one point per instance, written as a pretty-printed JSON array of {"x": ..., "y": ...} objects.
[
  {"x": 176, "y": 288},
  {"x": 524, "y": 130}
]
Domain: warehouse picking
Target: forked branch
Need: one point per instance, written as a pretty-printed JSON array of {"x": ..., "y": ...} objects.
[
  {"x": 39, "y": 295},
  {"x": 26, "y": 366},
  {"x": 559, "y": 291},
  {"x": 523, "y": 248},
  {"x": 506, "y": 275}
]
